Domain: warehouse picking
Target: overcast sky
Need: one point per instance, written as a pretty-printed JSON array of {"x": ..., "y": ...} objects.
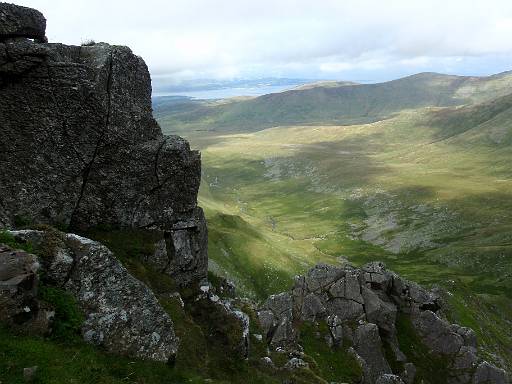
[{"x": 360, "y": 40}]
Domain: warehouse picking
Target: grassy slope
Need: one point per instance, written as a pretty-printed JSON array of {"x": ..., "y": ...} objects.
[
  {"x": 351, "y": 104},
  {"x": 209, "y": 339},
  {"x": 428, "y": 191}
]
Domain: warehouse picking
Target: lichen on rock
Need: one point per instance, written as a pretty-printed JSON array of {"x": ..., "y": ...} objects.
[{"x": 121, "y": 313}]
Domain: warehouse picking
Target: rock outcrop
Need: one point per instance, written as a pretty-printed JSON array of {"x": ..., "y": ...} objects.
[
  {"x": 80, "y": 148},
  {"x": 368, "y": 310},
  {"x": 17, "y": 21},
  {"x": 121, "y": 313}
]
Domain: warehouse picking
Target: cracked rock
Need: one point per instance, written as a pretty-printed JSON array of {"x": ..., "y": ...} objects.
[
  {"x": 80, "y": 147},
  {"x": 362, "y": 306}
]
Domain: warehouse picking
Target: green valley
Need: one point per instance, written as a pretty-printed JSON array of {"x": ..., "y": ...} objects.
[{"x": 415, "y": 173}]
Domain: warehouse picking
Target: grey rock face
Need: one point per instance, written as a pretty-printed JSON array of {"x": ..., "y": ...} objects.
[
  {"x": 80, "y": 147},
  {"x": 17, "y": 21},
  {"x": 181, "y": 252},
  {"x": 362, "y": 306},
  {"x": 436, "y": 333},
  {"x": 121, "y": 313},
  {"x": 378, "y": 311}
]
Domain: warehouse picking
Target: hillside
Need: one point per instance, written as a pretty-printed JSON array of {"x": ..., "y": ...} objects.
[
  {"x": 343, "y": 104},
  {"x": 428, "y": 191},
  {"x": 111, "y": 273}
]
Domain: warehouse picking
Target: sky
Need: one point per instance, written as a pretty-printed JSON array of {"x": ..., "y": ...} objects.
[{"x": 363, "y": 40}]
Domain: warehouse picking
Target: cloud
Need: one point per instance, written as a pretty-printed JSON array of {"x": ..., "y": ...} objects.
[{"x": 317, "y": 39}]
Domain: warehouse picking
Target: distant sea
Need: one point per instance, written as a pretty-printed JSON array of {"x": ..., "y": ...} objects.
[{"x": 224, "y": 93}]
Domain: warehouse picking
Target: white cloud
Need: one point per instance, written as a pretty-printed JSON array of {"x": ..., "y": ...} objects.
[{"x": 328, "y": 38}]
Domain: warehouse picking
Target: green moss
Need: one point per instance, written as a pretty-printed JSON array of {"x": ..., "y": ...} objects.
[
  {"x": 223, "y": 335},
  {"x": 332, "y": 364},
  {"x": 396, "y": 366},
  {"x": 68, "y": 317},
  {"x": 127, "y": 244},
  {"x": 9, "y": 240},
  {"x": 258, "y": 349}
]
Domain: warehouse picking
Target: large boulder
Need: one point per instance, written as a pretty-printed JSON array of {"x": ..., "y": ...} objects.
[
  {"x": 17, "y": 21},
  {"x": 121, "y": 313},
  {"x": 80, "y": 147}
]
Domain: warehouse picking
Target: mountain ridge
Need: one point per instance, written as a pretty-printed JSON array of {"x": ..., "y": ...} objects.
[{"x": 337, "y": 105}]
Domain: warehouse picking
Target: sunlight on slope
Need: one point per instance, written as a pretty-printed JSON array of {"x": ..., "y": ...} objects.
[{"x": 428, "y": 191}]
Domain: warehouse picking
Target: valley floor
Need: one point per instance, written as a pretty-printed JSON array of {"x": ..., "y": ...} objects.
[{"x": 428, "y": 195}]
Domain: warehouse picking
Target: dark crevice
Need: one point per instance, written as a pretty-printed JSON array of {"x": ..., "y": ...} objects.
[
  {"x": 169, "y": 248},
  {"x": 157, "y": 159},
  {"x": 433, "y": 307},
  {"x": 87, "y": 170},
  {"x": 363, "y": 303},
  {"x": 375, "y": 286},
  {"x": 28, "y": 36}
]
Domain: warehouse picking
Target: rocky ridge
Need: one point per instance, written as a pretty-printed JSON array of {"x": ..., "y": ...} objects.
[{"x": 365, "y": 310}]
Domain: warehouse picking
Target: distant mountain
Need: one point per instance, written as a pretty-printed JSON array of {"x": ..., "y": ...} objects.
[
  {"x": 212, "y": 84},
  {"x": 340, "y": 104},
  {"x": 324, "y": 84}
]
